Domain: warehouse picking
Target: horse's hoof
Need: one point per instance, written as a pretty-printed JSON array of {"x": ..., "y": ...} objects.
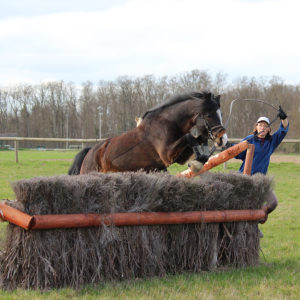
[{"x": 195, "y": 166}]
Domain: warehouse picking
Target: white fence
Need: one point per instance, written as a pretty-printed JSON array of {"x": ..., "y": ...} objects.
[{"x": 83, "y": 142}]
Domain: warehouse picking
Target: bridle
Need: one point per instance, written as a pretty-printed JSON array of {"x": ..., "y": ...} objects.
[
  {"x": 210, "y": 130},
  {"x": 215, "y": 129}
]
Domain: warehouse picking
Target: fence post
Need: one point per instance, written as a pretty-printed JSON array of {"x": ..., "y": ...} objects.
[
  {"x": 16, "y": 150},
  {"x": 297, "y": 148},
  {"x": 225, "y": 165},
  {"x": 249, "y": 159}
]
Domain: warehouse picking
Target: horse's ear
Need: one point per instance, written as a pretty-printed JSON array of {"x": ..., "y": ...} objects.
[
  {"x": 207, "y": 95},
  {"x": 218, "y": 98}
]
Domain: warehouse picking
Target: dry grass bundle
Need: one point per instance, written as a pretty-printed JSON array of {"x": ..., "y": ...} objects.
[{"x": 71, "y": 257}]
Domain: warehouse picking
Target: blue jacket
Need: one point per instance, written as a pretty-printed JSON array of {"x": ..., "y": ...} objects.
[{"x": 263, "y": 150}]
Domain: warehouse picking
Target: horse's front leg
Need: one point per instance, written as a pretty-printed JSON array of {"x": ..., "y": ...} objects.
[
  {"x": 168, "y": 153},
  {"x": 180, "y": 149},
  {"x": 199, "y": 146}
]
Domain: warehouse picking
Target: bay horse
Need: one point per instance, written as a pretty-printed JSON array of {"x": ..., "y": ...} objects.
[{"x": 162, "y": 138}]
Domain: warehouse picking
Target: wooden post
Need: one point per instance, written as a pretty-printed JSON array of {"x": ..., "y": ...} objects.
[
  {"x": 225, "y": 165},
  {"x": 249, "y": 159},
  {"x": 16, "y": 150}
]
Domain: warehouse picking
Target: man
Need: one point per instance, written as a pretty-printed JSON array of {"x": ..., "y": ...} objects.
[{"x": 264, "y": 142}]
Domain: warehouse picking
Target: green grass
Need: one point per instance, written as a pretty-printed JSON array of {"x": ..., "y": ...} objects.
[
  {"x": 31, "y": 164},
  {"x": 277, "y": 276}
]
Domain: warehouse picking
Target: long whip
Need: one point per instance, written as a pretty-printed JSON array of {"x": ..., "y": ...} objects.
[{"x": 254, "y": 100}]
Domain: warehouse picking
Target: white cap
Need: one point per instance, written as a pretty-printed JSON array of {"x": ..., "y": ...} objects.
[{"x": 263, "y": 119}]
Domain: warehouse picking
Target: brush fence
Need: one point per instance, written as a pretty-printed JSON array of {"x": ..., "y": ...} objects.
[{"x": 71, "y": 257}]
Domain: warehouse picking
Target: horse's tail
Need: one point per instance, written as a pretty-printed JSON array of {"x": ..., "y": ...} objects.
[{"x": 75, "y": 168}]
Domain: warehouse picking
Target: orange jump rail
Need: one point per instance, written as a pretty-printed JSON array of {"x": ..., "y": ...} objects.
[
  {"x": 28, "y": 222},
  {"x": 223, "y": 157}
]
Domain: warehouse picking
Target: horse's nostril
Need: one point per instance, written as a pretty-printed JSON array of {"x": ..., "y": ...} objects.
[{"x": 220, "y": 133}]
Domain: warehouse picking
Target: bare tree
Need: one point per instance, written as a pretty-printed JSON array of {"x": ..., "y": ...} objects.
[{"x": 58, "y": 109}]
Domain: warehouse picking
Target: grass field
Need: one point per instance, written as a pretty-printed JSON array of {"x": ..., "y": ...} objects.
[{"x": 276, "y": 277}]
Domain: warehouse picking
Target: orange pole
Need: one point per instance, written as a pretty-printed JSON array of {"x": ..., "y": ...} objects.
[
  {"x": 67, "y": 221},
  {"x": 15, "y": 216},
  {"x": 25, "y": 221},
  {"x": 217, "y": 159},
  {"x": 144, "y": 218},
  {"x": 249, "y": 159}
]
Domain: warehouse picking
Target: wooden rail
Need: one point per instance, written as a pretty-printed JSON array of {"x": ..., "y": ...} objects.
[
  {"x": 32, "y": 139},
  {"x": 28, "y": 222},
  {"x": 16, "y": 141}
]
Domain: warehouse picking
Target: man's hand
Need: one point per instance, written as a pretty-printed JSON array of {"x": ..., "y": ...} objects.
[{"x": 281, "y": 114}]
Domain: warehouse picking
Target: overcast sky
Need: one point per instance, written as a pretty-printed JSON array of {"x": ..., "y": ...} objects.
[{"x": 94, "y": 40}]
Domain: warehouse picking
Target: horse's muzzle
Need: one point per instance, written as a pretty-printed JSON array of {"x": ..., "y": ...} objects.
[
  {"x": 218, "y": 131},
  {"x": 220, "y": 136}
]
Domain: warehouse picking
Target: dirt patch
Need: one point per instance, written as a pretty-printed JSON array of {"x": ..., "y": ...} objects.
[{"x": 278, "y": 158}]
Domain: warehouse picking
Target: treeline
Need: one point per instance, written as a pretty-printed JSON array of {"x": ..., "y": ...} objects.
[{"x": 59, "y": 109}]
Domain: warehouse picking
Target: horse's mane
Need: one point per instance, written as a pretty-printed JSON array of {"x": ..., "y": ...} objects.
[{"x": 177, "y": 99}]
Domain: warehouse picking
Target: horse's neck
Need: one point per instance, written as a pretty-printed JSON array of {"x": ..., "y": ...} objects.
[{"x": 184, "y": 115}]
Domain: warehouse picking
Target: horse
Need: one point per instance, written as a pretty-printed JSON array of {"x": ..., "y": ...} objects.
[{"x": 162, "y": 138}]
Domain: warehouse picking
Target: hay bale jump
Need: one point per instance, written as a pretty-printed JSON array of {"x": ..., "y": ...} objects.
[{"x": 72, "y": 257}]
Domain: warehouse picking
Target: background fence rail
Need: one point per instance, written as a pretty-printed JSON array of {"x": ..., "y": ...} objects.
[{"x": 84, "y": 142}]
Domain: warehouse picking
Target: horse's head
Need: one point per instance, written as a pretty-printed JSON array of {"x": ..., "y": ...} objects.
[{"x": 209, "y": 122}]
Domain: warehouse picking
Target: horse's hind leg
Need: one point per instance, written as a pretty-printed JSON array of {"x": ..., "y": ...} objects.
[{"x": 93, "y": 160}]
